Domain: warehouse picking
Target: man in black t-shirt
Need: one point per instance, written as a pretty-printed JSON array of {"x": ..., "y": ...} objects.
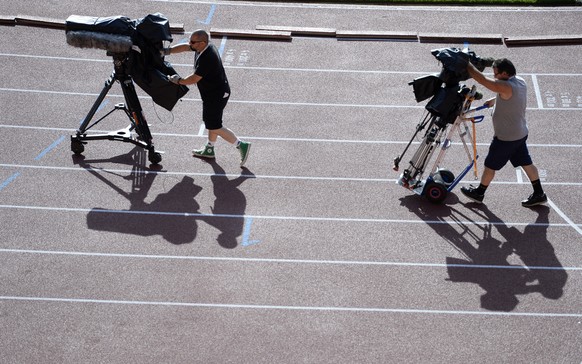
[{"x": 214, "y": 89}]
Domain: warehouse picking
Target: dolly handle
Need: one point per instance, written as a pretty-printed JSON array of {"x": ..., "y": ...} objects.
[{"x": 460, "y": 176}]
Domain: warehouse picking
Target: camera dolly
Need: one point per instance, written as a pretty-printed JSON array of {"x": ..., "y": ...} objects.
[
  {"x": 136, "y": 48},
  {"x": 447, "y": 113},
  {"x": 440, "y": 181},
  {"x": 132, "y": 108}
]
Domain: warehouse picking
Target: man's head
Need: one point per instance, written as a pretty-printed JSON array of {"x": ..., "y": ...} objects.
[
  {"x": 503, "y": 69},
  {"x": 199, "y": 40}
]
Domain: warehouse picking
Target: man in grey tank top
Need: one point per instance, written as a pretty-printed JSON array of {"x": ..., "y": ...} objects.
[{"x": 510, "y": 131}]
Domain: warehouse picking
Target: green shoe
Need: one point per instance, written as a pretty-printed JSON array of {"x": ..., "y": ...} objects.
[
  {"x": 244, "y": 149},
  {"x": 206, "y": 152}
]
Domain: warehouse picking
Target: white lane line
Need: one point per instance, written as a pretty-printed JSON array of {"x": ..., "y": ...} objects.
[
  {"x": 555, "y": 207},
  {"x": 277, "y": 217},
  {"x": 168, "y": 173},
  {"x": 289, "y": 308},
  {"x": 519, "y": 175},
  {"x": 201, "y": 130},
  {"x": 54, "y": 58},
  {"x": 286, "y": 261},
  {"x": 282, "y": 69},
  {"x": 352, "y": 71},
  {"x": 254, "y": 176},
  {"x": 253, "y": 102},
  {"x": 537, "y": 92},
  {"x": 260, "y": 102},
  {"x": 310, "y": 140},
  {"x": 563, "y": 215}
]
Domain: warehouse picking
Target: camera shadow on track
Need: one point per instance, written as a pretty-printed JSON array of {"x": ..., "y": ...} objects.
[
  {"x": 175, "y": 214},
  {"x": 487, "y": 263},
  {"x": 168, "y": 215}
]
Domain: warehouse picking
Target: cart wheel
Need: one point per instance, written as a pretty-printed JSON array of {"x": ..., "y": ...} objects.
[
  {"x": 154, "y": 157},
  {"x": 446, "y": 176},
  {"x": 435, "y": 192},
  {"x": 77, "y": 147}
]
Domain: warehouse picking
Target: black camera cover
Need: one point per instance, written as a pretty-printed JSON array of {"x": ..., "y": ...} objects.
[
  {"x": 121, "y": 25},
  {"x": 447, "y": 99},
  {"x": 425, "y": 86},
  {"x": 147, "y": 66}
]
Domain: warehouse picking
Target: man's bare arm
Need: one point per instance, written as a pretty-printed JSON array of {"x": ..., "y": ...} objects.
[{"x": 500, "y": 87}]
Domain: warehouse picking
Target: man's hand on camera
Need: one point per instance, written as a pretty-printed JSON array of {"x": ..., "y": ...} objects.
[{"x": 175, "y": 79}]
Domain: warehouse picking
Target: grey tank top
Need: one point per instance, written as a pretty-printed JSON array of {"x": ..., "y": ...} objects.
[{"x": 509, "y": 122}]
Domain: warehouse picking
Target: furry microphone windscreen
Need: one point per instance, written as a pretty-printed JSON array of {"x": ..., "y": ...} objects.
[{"x": 110, "y": 42}]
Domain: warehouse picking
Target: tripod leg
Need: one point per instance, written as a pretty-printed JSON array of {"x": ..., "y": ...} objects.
[
  {"x": 141, "y": 126},
  {"x": 419, "y": 127},
  {"x": 431, "y": 140},
  {"x": 96, "y": 105}
]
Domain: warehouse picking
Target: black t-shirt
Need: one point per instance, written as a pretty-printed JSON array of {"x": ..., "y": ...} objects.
[{"x": 214, "y": 83}]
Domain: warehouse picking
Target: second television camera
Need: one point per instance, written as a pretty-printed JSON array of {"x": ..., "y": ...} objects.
[{"x": 449, "y": 104}]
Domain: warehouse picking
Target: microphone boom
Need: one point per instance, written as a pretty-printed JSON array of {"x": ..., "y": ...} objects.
[{"x": 114, "y": 43}]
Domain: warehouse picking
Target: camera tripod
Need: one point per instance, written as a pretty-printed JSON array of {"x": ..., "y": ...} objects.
[
  {"x": 441, "y": 181},
  {"x": 132, "y": 109}
]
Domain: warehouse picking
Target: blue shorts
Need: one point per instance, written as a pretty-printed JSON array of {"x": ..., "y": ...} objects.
[{"x": 501, "y": 152}]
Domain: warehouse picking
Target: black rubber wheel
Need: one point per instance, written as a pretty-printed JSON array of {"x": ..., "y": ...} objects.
[
  {"x": 77, "y": 147},
  {"x": 154, "y": 157},
  {"x": 435, "y": 192}
]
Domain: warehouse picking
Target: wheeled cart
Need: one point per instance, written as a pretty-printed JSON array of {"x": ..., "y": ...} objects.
[{"x": 447, "y": 114}]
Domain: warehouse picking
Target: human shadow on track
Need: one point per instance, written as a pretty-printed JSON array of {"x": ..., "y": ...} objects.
[
  {"x": 228, "y": 212},
  {"x": 545, "y": 273},
  {"x": 168, "y": 215},
  {"x": 486, "y": 262}
]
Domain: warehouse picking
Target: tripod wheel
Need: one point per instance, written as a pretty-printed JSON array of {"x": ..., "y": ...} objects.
[
  {"x": 77, "y": 147},
  {"x": 154, "y": 157},
  {"x": 445, "y": 176},
  {"x": 435, "y": 192}
]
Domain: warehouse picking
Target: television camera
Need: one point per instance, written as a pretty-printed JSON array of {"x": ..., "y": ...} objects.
[
  {"x": 135, "y": 46},
  {"x": 449, "y": 107}
]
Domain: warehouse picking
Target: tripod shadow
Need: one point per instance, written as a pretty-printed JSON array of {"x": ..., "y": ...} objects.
[
  {"x": 487, "y": 263},
  {"x": 167, "y": 215},
  {"x": 229, "y": 205}
]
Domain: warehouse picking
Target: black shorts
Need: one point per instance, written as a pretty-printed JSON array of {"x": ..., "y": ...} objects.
[
  {"x": 212, "y": 112},
  {"x": 501, "y": 152}
]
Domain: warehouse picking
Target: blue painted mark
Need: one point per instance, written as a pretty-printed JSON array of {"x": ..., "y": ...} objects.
[
  {"x": 222, "y": 45},
  {"x": 247, "y": 233},
  {"x": 49, "y": 148},
  {"x": 105, "y": 102},
  {"x": 210, "y": 15},
  {"x": 9, "y": 180}
]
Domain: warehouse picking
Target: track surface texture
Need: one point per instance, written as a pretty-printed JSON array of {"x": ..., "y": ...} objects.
[{"x": 311, "y": 253}]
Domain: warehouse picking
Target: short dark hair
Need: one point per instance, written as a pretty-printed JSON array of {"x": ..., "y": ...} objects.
[
  {"x": 203, "y": 34},
  {"x": 505, "y": 65}
]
